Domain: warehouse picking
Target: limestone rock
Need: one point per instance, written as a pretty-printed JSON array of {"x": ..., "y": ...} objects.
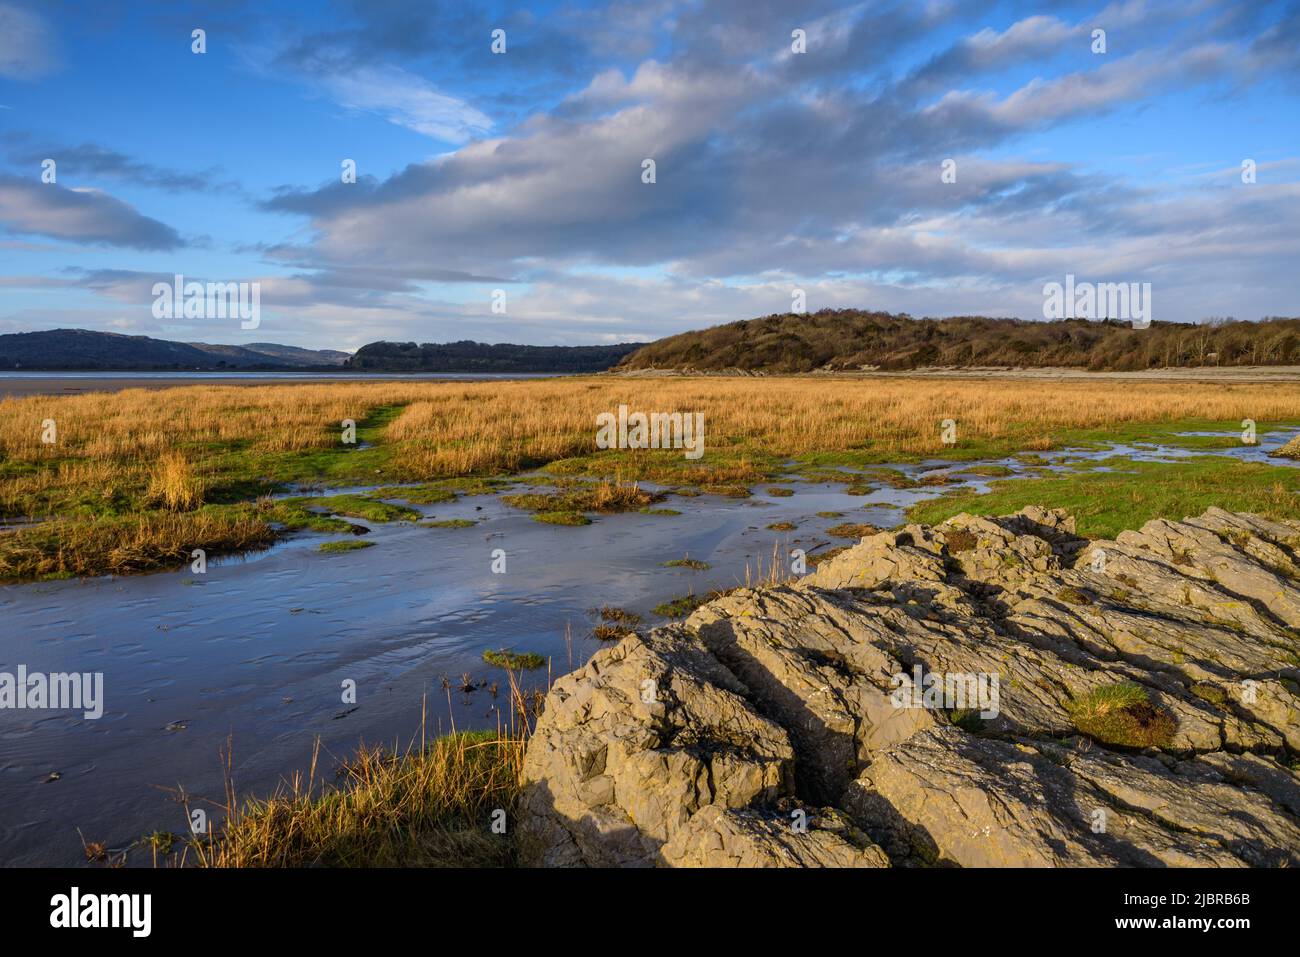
[
  {"x": 694, "y": 744},
  {"x": 715, "y": 837}
]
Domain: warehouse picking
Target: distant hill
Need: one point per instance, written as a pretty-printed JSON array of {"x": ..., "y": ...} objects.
[
  {"x": 470, "y": 356},
  {"x": 846, "y": 339},
  {"x": 81, "y": 349},
  {"x": 286, "y": 355}
]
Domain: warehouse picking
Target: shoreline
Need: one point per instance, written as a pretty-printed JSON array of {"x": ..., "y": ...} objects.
[
  {"x": 57, "y": 383},
  {"x": 1049, "y": 373},
  {"x": 36, "y": 382}
]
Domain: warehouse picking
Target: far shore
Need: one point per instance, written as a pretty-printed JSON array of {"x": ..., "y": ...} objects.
[
  {"x": 37, "y": 382},
  {"x": 56, "y": 383}
]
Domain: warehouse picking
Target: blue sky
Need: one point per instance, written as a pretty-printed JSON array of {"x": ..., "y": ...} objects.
[{"x": 522, "y": 171}]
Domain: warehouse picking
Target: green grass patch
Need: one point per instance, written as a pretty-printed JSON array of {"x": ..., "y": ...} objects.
[
  {"x": 585, "y": 497},
  {"x": 449, "y": 523},
  {"x": 738, "y": 463},
  {"x": 356, "y": 506},
  {"x": 346, "y": 545},
  {"x": 1105, "y": 503},
  {"x": 680, "y": 607},
  {"x": 852, "y": 530},
  {"x": 417, "y": 494},
  {"x": 514, "y": 660},
  {"x": 693, "y": 563},
  {"x": 292, "y": 516},
  {"x": 727, "y": 491},
  {"x": 443, "y": 490},
  {"x": 1161, "y": 433},
  {"x": 562, "y": 518}
]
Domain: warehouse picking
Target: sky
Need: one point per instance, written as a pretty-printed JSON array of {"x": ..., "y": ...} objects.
[{"x": 934, "y": 158}]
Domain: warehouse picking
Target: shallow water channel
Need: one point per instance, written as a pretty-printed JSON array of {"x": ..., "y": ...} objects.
[{"x": 257, "y": 649}]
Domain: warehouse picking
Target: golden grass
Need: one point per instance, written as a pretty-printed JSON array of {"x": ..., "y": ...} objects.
[
  {"x": 449, "y": 802},
  {"x": 460, "y": 428},
  {"x": 173, "y": 483},
  {"x": 431, "y": 806},
  {"x": 125, "y": 453},
  {"x": 118, "y": 546}
]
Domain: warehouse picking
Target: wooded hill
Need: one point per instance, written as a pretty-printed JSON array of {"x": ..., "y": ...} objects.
[
  {"x": 85, "y": 350},
  {"x": 470, "y": 356},
  {"x": 849, "y": 339}
]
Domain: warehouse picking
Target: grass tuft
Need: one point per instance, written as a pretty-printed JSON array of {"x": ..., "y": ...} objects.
[
  {"x": 852, "y": 530},
  {"x": 1122, "y": 714},
  {"x": 427, "y": 807},
  {"x": 687, "y": 562},
  {"x": 680, "y": 607},
  {"x": 514, "y": 660},
  {"x": 174, "y": 484},
  {"x": 959, "y": 540}
]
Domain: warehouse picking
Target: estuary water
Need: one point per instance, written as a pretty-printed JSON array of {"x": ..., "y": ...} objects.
[{"x": 257, "y": 650}]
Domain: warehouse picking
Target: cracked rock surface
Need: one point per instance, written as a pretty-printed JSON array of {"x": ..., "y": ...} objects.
[{"x": 771, "y": 728}]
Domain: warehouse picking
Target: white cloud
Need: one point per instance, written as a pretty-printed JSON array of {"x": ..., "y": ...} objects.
[
  {"x": 409, "y": 101},
  {"x": 28, "y": 206}
]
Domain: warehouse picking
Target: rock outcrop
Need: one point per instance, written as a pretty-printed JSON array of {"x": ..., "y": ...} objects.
[{"x": 984, "y": 692}]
